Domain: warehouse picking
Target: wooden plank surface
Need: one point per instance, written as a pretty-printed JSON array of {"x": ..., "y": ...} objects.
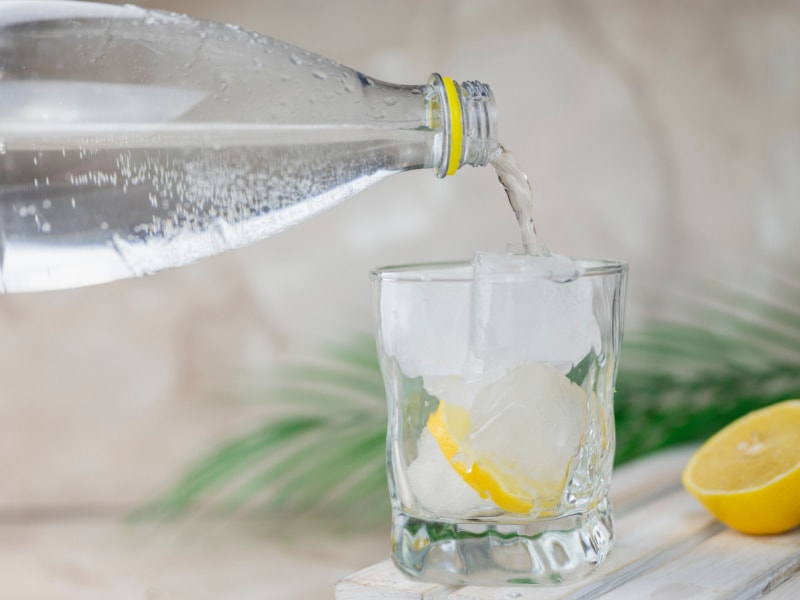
[{"x": 667, "y": 546}]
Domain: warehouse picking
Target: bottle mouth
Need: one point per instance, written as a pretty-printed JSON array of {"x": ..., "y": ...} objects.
[
  {"x": 480, "y": 124},
  {"x": 469, "y": 123}
]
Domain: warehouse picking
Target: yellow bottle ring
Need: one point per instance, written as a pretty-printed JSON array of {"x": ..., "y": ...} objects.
[{"x": 456, "y": 126}]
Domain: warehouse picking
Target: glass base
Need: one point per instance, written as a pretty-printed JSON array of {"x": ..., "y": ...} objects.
[{"x": 546, "y": 552}]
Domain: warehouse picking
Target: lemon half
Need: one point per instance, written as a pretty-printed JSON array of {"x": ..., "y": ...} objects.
[{"x": 748, "y": 474}]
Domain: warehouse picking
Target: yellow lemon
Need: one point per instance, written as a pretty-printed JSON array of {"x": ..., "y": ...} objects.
[
  {"x": 449, "y": 425},
  {"x": 748, "y": 474}
]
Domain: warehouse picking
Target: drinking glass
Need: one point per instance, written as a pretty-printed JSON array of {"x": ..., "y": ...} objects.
[{"x": 499, "y": 377}]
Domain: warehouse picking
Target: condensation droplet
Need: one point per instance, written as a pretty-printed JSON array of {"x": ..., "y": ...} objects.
[
  {"x": 45, "y": 227},
  {"x": 320, "y": 75}
]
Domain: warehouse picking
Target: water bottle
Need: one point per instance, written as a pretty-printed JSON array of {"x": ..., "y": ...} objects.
[{"x": 134, "y": 140}]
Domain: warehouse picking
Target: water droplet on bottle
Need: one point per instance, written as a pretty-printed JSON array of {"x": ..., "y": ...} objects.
[
  {"x": 390, "y": 101},
  {"x": 46, "y": 203},
  {"x": 514, "y": 595},
  {"x": 45, "y": 227},
  {"x": 2, "y": 146},
  {"x": 320, "y": 75},
  {"x": 296, "y": 59}
]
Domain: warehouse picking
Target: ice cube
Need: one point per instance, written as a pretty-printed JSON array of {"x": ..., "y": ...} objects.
[
  {"x": 546, "y": 264},
  {"x": 531, "y": 308},
  {"x": 436, "y": 485},
  {"x": 456, "y": 390},
  {"x": 425, "y": 322},
  {"x": 532, "y": 421}
]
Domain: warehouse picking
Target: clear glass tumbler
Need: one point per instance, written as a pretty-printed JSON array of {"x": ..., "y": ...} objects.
[{"x": 500, "y": 383}]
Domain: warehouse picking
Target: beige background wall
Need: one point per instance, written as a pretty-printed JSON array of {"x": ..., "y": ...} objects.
[{"x": 664, "y": 133}]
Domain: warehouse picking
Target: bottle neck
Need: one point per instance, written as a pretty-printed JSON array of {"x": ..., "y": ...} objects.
[{"x": 466, "y": 115}]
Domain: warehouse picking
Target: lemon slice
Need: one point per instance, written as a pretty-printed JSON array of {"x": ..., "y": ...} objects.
[
  {"x": 449, "y": 425},
  {"x": 748, "y": 474}
]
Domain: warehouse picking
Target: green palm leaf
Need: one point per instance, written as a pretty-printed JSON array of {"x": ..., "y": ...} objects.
[
  {"x": 682, "y": 381},
  {"x": 678, "y": 382},
  {"x": 312, "y": 460}
]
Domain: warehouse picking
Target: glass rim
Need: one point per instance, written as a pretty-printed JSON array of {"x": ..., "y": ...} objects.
[{"x": 449, "y": 271}]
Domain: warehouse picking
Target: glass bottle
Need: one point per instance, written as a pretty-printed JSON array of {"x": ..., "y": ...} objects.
[{"x": 134, "y": 140}]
